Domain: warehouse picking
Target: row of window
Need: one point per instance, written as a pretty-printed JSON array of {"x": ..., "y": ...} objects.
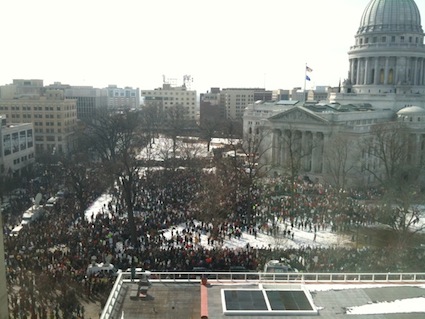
[
  {"x": 49, "y": 138},
  {"x": 48, "y": 130},
  {"x": 23, "y": 159},
  {"x": 35, "y": 108},
  {"x": 17, "y": 141},
  {"x": 36, "y": 116},
  {"x": 171, "y": 103},
  {"x": 121, "y": 93},
  {"x": 383, "y": 39},
  {"x": 147, "y": 93}
]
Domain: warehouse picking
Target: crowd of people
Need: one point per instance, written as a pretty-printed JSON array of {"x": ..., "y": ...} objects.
[{"x": 49, "y": 259}]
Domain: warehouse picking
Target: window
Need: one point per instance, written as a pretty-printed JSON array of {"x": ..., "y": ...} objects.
[
  {"x": 393, "y": 38},
  {"x": 402, "y": 39},
  {"x": 384, "y": 39}
]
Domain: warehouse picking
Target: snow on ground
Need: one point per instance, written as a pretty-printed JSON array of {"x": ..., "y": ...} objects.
[
  {"x": 409, "y": 305},
  {"x": 301, "y": 238},
  {"x": 324, "y": 238},
  {"x": 162, "y": 147}
]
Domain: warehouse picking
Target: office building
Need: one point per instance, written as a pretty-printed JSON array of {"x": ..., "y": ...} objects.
[
  {"x": 168, "y": 97},
  {"x": 53, "y": 116},
  {"x": 17, "y": 147}
]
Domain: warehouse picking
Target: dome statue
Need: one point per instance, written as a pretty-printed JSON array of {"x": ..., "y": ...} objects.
[{"x": 391, "y": 16}]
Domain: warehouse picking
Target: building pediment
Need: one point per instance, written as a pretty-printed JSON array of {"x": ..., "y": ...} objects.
[{"x": 299, "y": 114}]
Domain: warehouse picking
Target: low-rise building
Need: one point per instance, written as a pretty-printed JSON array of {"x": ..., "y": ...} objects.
[{"x": 17, "y": 147}]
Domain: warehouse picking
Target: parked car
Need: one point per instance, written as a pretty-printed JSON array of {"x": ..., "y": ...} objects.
[
  {"x": 51, "y": 201},
  {"x": 15, "y": 231},
  {"x": 278, "y": 269},
  {"x": 105, "y": 269},
  {"x": 32, "y": 214}
]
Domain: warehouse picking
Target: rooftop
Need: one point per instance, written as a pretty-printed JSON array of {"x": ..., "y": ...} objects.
[{"x": 250, "y": 295}]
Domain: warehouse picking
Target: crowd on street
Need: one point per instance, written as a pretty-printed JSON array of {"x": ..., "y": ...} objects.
[{"x": 47, "y": 262}]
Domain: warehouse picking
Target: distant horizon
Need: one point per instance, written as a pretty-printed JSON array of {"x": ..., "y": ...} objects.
[{"x": 218, "y": 43}]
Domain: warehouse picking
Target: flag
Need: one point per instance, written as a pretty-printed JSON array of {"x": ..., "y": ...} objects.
[
  {"x": 307, "y": 78},
  {"x": 308, "y": 69}
]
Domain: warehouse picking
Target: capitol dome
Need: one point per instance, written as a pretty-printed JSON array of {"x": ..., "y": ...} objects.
[
  {"x": 391, "y": 16},
  {"x": 412, "y": 110},
  {"x": 389, "y": 52},
  {"x": 412, "y": 115}
]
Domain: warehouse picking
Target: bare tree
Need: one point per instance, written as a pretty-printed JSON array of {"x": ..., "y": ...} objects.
[
  {"x": 175, "y": 124},
  {"x": 387, "y": 151},
  {"x": 340, "y": 160},
  {"x": 208, "y": 129},
  {"x": 127, "y": 167},
  {"x": 295, "y": 154},
  {"x": 152, "y": 120},
  {"x": 84, "y": 177},
  {"x": 101, "y": 135}
]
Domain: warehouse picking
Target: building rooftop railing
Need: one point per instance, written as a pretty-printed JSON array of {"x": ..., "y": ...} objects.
[{"x": 114, "y": 301}]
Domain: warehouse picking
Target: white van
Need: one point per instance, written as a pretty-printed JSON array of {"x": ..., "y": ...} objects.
[
  {"x": 51, "y": 201},
  {"x": 15, "y": 231},
  {"x": 102, "y": 268},
  {"x": 31, "y": 214},
  {"x": 278, "y": 266}
]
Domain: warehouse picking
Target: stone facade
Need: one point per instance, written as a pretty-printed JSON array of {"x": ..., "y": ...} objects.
[{"x": 385, "y": 84}]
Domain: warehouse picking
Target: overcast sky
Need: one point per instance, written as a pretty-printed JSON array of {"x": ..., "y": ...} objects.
[{"x": 220, "y": 43}]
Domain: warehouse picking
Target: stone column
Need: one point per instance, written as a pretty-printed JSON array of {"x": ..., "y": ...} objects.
[
  {"x": 415, "y": 74},
  {"x": 313, "y": 155},
  {"x": 321, "y": 167},
  {"x": 276, "y": 148},
  {"x": 396, "y": 72},
  {"x": 308, "y": 151},
  {"x": 358, "y": 72},
  {"x": 386, "y": 71},
  {"x": 418, "y": 149},
  {"x": 366, "y": 71},
  {"x": 375, "y": 80}
]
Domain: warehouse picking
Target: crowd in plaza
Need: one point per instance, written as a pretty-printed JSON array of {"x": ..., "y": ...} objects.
[{"x": 49, "y": 259}]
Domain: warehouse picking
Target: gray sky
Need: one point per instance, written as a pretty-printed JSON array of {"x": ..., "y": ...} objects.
[{"x": 223, "y": 43}]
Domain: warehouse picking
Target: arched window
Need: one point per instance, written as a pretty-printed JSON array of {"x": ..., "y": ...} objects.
[
  {"x": 381, "y": 76},
  {"x": 391, "y": 76}
]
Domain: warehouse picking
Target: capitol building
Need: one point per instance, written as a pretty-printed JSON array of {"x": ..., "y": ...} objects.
[{"x": 336, "y": 141}]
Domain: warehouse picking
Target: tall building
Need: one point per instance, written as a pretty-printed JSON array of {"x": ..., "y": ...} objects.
[
  {"x": 122, "y": 98},
  {"x": 235, "y": 100},
  {"x": 89, "y": 99},
  {"x": 168, "y": 97},
  {"x": 53, "y": 116},
  {"x": 385, "y": 84},
  {"x": 211, "y": 110},
  {"x": 230, "y": 103},
  {"x": 17, "y": 147}
]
